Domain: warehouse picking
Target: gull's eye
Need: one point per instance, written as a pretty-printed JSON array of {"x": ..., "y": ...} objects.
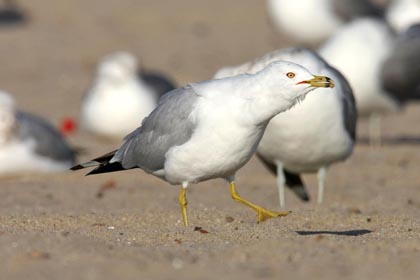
[{"x": 290, "y": 75}]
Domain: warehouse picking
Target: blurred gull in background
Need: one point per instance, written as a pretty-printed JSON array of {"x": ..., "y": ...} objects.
[
  {"x": 29, "y": 143},
  {"x": 312, "y": 21},
  {"x": 400, "y": 74},
  {"x": 364, "y": 52},
  {"x": 121, "y": 96},
  {"x": 310, "y": 136},
  {"x": 211, "y": 129},
  {"x": 358, "y": 50}
]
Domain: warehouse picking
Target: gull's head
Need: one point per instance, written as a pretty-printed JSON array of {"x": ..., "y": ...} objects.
[
  {"x": 7, "y": 115},
  {"x": 118, "y": 66},
  {"x": 292, "y": 81}
]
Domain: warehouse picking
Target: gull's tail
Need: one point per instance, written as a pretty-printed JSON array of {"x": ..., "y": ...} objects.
[
  {"x": 102, "y": 164},
  {"x": 293, "y": 181}
]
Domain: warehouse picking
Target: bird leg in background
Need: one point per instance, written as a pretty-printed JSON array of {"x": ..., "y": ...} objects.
[
  {"x": 263, "y": 214},
  {"x": 281, "y": 181},
  {"x": 183, "y": 201},
  {"x": 322, "y": 172},
  {"x": 375, "y": 133}
]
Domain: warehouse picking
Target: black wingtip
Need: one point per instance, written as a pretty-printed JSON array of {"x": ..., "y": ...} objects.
[
  {"x": 304, "y": 196},
  {"x": 106, "y": 168},
  {"x": 296, "y": 185},
  {"x": 77, "y": 167}
]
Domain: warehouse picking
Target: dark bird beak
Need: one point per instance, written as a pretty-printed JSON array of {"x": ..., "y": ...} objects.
[{"x": 319, "y": 81}]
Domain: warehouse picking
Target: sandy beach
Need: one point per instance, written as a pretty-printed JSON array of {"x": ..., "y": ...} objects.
[{"x": 127, "y": 225}]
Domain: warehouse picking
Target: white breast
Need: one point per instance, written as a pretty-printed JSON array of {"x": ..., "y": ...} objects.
[
  {"x": 310, "y": 135},
  {"x": 116, "y": 111},
  {"x": 220, "y": 145}
]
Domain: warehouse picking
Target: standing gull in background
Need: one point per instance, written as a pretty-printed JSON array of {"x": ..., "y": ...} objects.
[
  {"x": 358, "y": 51},
  {"x": 382, "y": 69},
  {"x": 312, "y": 21},
  {"x": 311, "y": 136},
  {"x": 120, "y": 96},
  {"x": 29, "y": 143},
  {"x": 211, "y": 129}
]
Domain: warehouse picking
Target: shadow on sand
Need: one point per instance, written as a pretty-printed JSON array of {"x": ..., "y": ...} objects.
[
  {"x": 393, "y": 141},
  {"x": 354, "y": 232}
]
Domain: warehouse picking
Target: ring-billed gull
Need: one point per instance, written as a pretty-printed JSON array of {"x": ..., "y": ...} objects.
[
  {"x": 211, "y": 129},
  {"x": 311, "y": 136},
  {"x": 29, "y": 143},
  {"x": 120, "y": 96},
  {"x": 313, "y": 21}
]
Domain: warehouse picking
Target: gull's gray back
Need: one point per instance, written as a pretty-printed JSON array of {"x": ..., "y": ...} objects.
[
  {"x": 158, "y": 82},
  {"x": 348, "y": 10},
  {"x": 348, "y": 103},
  {"x": 48, "y": 141},
  {"x": 401, "y": 70},
  {"x": 167, "y": 126}
]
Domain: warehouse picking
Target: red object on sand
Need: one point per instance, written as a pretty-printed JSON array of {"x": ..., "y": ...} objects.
[{"x": 68, "y": 126}]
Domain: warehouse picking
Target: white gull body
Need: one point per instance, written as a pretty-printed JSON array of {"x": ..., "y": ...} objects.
[
  {"x": 313, "y": 21},
  {"x": 298, "y": 17},
  {"x": 118, "y": 100},
  {"x": 312, "y": 135},
  {"x": 28, "y": 143}
]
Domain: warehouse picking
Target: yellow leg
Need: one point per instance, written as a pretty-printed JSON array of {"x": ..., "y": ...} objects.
[
  {"x": 183, "y": 201},
  {"x": 263, "y": 214}
]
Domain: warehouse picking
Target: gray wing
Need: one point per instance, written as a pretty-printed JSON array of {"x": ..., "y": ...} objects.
[
  {"x": 348, "y": 103},
  {"x": 351, "y": 9},
  {"x": 48, "y": 141},
  {"x": 401, "y": 70},
  {"x": 167, "y": 126}
]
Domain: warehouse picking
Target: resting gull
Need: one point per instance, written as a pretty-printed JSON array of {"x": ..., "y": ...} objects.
[
  {"x": 120, "y": 97},
  {"x": 312, "y": 21},
  {"x": 211, "y": 129},
  {"x": 29, "y": 143},
  {"x": 311, "y": 136}
]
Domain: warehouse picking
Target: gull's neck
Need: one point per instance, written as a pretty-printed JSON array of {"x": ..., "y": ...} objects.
[{"x": 262, "y": 99}]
